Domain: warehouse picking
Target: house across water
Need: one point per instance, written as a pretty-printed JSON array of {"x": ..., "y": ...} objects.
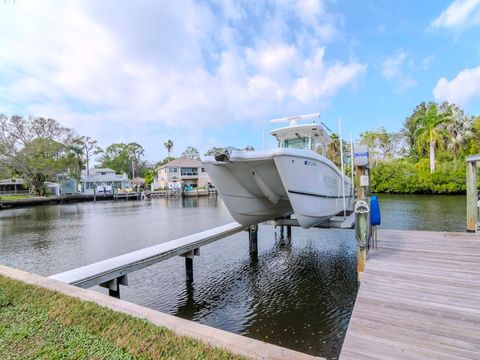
[
  {"x": 183, "y": 172},
  {"x": 13, "y": 186},
  {"x": 104, "y": 181}
]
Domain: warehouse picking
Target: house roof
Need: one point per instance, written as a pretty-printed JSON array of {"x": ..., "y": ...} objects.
[
  {"x": 182, "y": 162},
  {"x": 137, "y": 180},
  {"x": 101, "y": 170},
  {"x": 104, "y": 177},
  {"x": 12, "y": 181}
]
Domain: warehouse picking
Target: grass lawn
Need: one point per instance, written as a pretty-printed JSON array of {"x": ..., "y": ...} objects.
[
  {"x": 36, "y": 323},
  {"x": 15, "y": 197}
]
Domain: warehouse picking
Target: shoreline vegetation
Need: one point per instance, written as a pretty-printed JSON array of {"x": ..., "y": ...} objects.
[
  {"x": 37, "y": 323},
  {"x": 428, "y": 155}
]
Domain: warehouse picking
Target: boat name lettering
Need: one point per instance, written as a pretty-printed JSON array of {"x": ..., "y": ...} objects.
[{"x": 310, "y": 163}]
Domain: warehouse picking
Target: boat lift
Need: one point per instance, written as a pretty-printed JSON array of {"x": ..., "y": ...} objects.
[{"x": 113, "y": 272}]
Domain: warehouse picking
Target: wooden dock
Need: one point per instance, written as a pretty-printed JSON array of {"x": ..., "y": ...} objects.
[{"x": 419, "y": 298}]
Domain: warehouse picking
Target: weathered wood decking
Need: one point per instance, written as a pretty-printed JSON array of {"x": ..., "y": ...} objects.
[{"x": 419, "y": 298}]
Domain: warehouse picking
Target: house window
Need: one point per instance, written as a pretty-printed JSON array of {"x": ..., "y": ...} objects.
[
  {"x": 203, "y": 169},
  {"x": 184, "y": 171},
  {"x": 172, "y": 170}
]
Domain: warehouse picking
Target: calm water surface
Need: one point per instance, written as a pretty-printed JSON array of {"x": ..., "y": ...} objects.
[{"x": 299, "y": 294}]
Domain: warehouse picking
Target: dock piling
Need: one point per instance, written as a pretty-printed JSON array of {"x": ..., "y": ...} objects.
[
  {"x": 189, "y": 268},
  {"x": 362, "y": 206},
  {"x": 472, "y": 208},
  {"x": 189, "y": 263},
  {"x": 253, "y": 239},
  {"x": 361, "y": 233},
  {"x": 289, "y": 233},
  {"x": 113, "y": 285}
]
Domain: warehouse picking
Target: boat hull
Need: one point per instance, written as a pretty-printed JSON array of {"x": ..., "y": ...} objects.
[
  {"x": 263, "y": 185},
  {"x": 240, "y": 184},
  {"x": 314, "y": 187}
]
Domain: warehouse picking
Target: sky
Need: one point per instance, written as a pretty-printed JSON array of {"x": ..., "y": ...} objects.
[{"x": 213, "y": 73}]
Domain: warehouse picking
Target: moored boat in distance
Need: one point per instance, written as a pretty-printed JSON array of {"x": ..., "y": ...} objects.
[{"x": 294, "y": 178}]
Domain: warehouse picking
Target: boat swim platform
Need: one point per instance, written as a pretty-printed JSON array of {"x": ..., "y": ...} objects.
[{"x": 419, "y": 298}]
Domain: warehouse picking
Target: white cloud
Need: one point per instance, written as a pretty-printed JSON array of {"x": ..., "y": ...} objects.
[
  {"x": 460, "y": 13},
  {"x": 427, "y": 62},
  {"x": 321, "y": 81},
  {"x": 392, "y": 70},
  {"x": 271, "y": 59},
  {"x": 391, "y": 67},
  {"x": 460, "y": 90},
  {"x": 96, "y": 67}
]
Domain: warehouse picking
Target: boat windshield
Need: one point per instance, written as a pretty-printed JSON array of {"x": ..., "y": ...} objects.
[
  {"x": 297, "y": 143},
  {"x": 306, "y": 137}
]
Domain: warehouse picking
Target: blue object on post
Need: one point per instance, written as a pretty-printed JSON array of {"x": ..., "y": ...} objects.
[{"x": 374, "y": 211}]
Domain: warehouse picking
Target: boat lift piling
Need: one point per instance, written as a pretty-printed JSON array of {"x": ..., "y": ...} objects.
[
  {"x": 362, "y": 206},
  {"x": 253, "y": 239},
  {"x": 472, "y": 193}
]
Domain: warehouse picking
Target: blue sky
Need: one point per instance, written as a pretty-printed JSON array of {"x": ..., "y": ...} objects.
[{"x": 212, "y": 73}]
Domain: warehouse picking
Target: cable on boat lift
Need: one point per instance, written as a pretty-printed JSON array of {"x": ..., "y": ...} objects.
[
  {"x": 351, "y": 164},
  {"x": 343, "y": 168}
]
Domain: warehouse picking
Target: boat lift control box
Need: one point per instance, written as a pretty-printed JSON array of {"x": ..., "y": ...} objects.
[
  {"x": 364, "y": 180},
  {"x": 360, "y": 155}
]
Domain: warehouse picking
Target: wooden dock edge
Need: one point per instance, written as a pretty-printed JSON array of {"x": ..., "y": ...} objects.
[{"x": 254, "y": 349}]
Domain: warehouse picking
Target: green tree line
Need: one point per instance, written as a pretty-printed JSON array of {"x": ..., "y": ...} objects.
[
  {"x": 427, "y": 155},
  {"x": 39, "y": 149}
]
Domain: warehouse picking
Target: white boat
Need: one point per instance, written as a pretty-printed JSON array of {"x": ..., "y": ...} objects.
[{"x": 293, "y": 179}]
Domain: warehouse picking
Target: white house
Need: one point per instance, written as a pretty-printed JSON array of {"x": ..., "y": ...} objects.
[
  {"x": 103, "y": 180},
  {"x": 183, "y": 172}
]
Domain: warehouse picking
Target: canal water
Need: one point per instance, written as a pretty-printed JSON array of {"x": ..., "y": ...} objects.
[{"x": 299, "y": 294}]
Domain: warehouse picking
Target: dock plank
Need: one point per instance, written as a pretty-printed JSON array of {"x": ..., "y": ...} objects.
[{"x": 419, "y": 298}]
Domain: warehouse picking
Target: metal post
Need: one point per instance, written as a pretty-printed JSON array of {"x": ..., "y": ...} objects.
[
  {"x": 115, "y": 293},
  {"x": 94, "y": 193},
  {"x": 343, "y": 169},
  {"x": 352, "y": 166},
  {"x": 253, "y": 239},
  {"x": 189, "y": 268},
  {"x": 472, "y": 210},
  {"x": 113, "y": 285}
]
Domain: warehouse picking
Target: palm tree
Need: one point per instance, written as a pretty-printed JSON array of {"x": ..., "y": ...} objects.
[
  {"x": 429, "y": 129},
  {"x": 75, "y": 153},
  {"x": 460, "y": 130},
  {"x": 332, "y": 151},
  {"x": 169, "y": 146}
]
